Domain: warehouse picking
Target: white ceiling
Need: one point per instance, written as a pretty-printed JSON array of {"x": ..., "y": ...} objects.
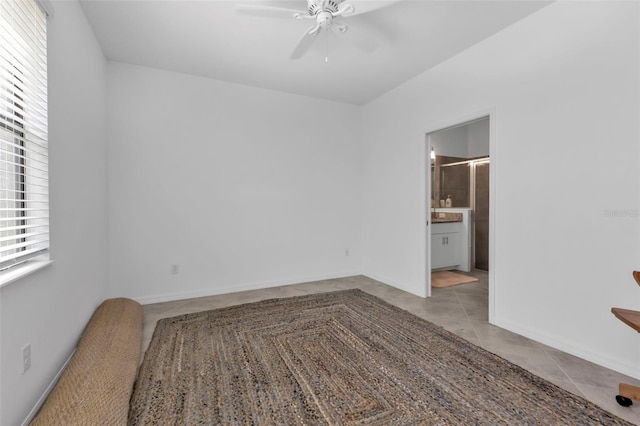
[{"x": 208, "y": 38}]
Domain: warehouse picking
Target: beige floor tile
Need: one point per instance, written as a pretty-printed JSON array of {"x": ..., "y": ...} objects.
[{"x": 587, "y": 373}]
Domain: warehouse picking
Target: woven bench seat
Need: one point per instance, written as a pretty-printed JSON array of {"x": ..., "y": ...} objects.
[{"x": 96, "y": 385}]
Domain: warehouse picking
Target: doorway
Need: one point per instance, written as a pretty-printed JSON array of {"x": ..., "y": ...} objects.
[{"x": 458, "y": 199}]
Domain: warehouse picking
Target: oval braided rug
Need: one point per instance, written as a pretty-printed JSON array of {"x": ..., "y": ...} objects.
[{"x": 337, "y": 358}]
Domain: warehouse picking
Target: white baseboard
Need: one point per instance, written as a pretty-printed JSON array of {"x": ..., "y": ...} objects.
[
  {"x": 576, "y": 350},
  {"x": 46, "y": 392},
  {"x": 396, "y": 284},
  {"x": 169, "y": 297}
]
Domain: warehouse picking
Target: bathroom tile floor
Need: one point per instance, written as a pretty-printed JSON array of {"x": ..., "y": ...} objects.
[{"x": 461, "y": 309}]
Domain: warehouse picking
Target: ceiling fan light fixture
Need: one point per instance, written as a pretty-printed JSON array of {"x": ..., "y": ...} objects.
[{"x": 324, "y": 19}]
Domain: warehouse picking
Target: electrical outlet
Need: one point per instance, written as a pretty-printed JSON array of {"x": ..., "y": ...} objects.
[
  {"x": 26, "y": 358},
  {"x": 175, "y": 269}
]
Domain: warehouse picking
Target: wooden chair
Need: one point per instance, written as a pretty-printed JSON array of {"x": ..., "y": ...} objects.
[{"x": 628, "y": 393}]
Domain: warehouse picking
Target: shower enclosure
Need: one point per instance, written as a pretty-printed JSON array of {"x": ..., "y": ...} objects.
[{"x": 467, "y": 184}]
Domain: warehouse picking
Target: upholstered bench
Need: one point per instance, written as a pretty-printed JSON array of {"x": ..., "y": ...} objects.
[{"x": 96, "y": 385}]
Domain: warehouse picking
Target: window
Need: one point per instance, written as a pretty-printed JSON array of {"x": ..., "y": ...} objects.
[{"x": 24, "y": 171}]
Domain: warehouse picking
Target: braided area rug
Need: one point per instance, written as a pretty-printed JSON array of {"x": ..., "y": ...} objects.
[{"x": 337, "y": 358}]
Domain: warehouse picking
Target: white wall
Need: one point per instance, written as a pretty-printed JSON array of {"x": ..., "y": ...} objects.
[
  {"x": 564, "y": 87},
  {"x": 50, "y": 308},
  {"x": 241, "y": 187}
]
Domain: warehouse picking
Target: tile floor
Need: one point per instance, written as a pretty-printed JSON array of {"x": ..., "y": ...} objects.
[{"x": 460, "y": 309}]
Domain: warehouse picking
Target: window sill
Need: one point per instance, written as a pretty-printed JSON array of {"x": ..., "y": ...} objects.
[{"x": 24, "y": 269}]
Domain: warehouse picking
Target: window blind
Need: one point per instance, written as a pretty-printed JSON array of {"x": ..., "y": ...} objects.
[{"x": 24, "y": 171}]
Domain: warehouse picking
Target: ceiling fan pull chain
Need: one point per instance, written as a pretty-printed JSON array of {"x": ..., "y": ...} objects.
[{"x": 326, "y": 56}]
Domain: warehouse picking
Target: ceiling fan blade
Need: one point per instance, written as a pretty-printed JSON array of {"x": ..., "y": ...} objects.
[
  {"x": 305, "y": 42},
  {"x": 268, "y": 11},
  {"x": 366, "y": 6},
  {"x": 361, "y": 39}
]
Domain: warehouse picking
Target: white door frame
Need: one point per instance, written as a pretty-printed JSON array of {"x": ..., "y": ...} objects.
[
  {"x": 426, "y": 189},
  {"x": 427, "y": 214}
]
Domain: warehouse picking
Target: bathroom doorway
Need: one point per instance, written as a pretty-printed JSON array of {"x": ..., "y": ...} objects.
[{"x": 459, "y": 199}]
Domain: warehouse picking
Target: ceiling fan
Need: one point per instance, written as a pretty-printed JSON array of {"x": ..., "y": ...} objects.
[{"x": 328, "y": 16}]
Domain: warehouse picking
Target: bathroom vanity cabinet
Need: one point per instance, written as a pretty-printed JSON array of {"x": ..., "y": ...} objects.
[
  {"x": 445, "y": 244},
  {"x": 451, "y": 244}
]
